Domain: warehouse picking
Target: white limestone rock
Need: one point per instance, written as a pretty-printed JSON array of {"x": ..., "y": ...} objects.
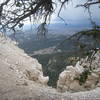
[
  {"x": 14, "y": 85},
  {"x": 20, "y": 63},
  {"x": 69, "y": 79}
]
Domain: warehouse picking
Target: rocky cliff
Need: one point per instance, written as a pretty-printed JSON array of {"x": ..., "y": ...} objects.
[
  {"x": 20, "y": 63},
  {"x": 21, "y": 77},
  {"x": 85, "y": 75}
]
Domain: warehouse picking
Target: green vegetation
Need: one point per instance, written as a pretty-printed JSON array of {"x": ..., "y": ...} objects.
[
  {"x": 78, "y": 46},
  {"x": 54, "y": 64},
  {"x": 83, "y": 77},
  {"x": 94, "y": 33}
]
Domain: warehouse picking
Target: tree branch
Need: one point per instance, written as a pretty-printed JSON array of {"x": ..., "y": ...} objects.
[{"x": 2, "y": 5}]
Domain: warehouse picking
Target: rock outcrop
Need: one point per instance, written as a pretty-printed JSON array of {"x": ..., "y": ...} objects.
[
  {"x": 85, "y": 75},
  {"x": 20, "y": 75},
  {"x": 20, "y": 63}
]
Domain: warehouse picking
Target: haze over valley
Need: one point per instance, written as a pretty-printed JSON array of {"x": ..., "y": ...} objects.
[{"x": 56, "y": 51}]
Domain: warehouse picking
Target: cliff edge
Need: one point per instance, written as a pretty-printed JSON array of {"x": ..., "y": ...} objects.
[{"x": 21, "y": 77}]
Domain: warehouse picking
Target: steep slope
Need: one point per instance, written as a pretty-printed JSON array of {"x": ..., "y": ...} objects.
[
  {"x": 71, "y": 50},
  {"x": 18, "y": 61},
  {"x": 21, "y": 77}
]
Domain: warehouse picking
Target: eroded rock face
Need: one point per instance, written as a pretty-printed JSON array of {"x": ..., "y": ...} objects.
[
  {"x": 16, "y": 71},
  {"x": 20, "y": 63},
  {"x": 85, "y": 75}
]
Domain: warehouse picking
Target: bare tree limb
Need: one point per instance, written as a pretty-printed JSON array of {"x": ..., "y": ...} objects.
[{"x": 2, "y": 5}]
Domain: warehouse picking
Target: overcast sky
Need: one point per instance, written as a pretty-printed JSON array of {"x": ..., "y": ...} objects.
[{"x": 76, "y": 15}]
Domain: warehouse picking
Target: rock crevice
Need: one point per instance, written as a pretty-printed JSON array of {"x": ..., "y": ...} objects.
[{"x": 20, "y": 75}]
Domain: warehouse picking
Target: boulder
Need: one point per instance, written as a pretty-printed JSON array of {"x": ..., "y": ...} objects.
[{"x": 67, "y": 80}]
